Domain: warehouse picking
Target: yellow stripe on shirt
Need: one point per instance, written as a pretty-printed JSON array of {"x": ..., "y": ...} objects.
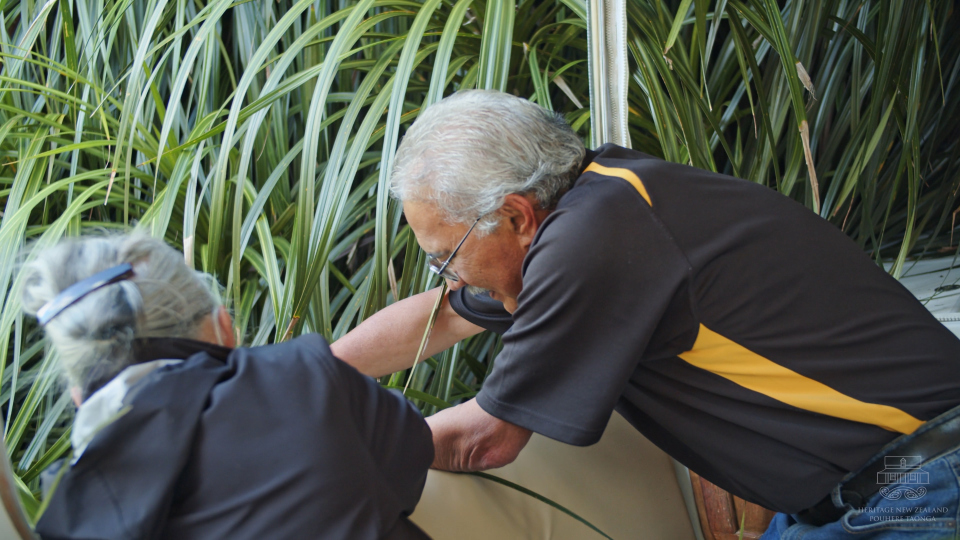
[
  {"x": 717, "y": 354},
  {"x": 626, "y": 174}
]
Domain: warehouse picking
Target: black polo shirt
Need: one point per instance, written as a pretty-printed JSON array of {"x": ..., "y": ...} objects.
[{"x": 744, "y": 335}]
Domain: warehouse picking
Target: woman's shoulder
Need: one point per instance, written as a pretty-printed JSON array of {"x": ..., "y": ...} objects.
[
  {"x": 305, "y": 362},
  {"x": 307, "y": 347}
]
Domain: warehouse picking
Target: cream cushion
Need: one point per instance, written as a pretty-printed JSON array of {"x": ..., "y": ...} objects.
[{"x": 624, "y": 485}]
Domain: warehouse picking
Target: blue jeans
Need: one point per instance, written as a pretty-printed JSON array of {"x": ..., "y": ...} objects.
[{"x": 927, "y": 509}]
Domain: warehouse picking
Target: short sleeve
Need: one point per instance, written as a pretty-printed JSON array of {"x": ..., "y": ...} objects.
[
  {"x": 598, "y": 278},
  {"x": 394, "y": 433},
  {"x": 481, "y": 310}
]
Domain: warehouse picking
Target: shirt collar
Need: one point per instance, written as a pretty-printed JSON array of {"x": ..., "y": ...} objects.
[
  {"x": 150, "y": 349},
  {"x": 588, "y": 158}
]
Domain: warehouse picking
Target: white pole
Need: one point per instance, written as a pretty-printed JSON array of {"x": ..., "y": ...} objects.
[{"x": 609, "y": 70}]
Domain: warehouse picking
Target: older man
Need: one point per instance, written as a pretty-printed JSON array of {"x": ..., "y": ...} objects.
[{"x": 744, "y": 335}]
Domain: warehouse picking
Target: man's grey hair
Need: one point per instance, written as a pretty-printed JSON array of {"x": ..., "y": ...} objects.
[
  {"x": 466, "y": 153},
  {"x": 95, "y": 336}
]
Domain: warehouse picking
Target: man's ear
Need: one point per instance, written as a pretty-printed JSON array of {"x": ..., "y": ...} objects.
[
  {"x": 225, "y": 325},
  {"x": 523, "y": 216}
]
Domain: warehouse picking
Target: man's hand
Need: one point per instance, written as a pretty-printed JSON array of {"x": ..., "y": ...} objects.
[{"x": 467, "y": 438}]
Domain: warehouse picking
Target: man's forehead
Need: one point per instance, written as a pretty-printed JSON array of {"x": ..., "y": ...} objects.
[
  {"x": 421, "y": 214},
  {"x": 432, "y": 231}
]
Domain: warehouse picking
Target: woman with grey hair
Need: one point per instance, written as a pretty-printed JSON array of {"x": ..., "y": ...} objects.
[{"x": 180, "y": 435}]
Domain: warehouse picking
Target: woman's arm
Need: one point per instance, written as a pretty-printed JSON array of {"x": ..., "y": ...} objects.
[{"x": 387, "y": 341}]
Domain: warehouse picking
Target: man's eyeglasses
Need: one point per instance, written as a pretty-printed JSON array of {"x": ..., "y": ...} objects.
[{"x": 440, "y": 268}]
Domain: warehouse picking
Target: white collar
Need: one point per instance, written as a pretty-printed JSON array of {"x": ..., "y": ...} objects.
[{"x": 104, "y": 406}]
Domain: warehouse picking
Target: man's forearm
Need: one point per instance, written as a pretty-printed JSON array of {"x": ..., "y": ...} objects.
[
  {"x": 467, "y": 438},
  {"x": 387, "y": 341}
]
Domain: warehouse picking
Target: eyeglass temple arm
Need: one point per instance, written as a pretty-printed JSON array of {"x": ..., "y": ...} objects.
[{"x": 456, "y": 249}]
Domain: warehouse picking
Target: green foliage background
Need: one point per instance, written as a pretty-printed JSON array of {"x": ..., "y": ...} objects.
[{"x": 258, "y": 137}]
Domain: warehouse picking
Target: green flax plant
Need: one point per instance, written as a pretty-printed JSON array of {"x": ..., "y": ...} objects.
[
  {"x": 849, "y": 106},
  {"x": 258, "y": 137}
]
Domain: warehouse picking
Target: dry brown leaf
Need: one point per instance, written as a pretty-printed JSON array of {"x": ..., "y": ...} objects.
[
  {"x": 562, "y": 84},
  {"x": 805, "y": 79},
  {"x": 392, "y": 276},
  {"x": 808, "y": 155}
]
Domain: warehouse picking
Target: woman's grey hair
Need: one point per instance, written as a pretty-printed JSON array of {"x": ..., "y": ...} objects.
[
  {"x": 95, "y": 336},
  {"x": 466, "y": 153}
]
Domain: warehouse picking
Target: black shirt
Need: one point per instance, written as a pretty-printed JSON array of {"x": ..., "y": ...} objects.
[
  {"x": 280, "y": 441},
  {"x": 744, "y": 335}
]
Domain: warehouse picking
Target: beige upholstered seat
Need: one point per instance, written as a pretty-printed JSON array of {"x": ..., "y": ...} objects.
[{"x": 624, "y": 485}]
